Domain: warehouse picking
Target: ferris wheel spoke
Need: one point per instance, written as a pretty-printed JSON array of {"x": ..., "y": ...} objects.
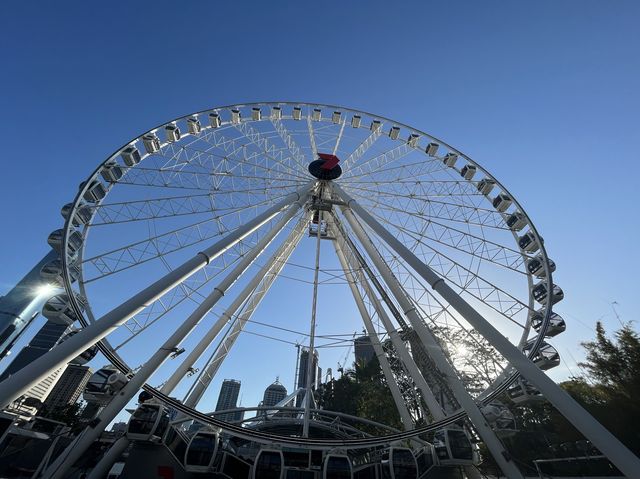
[
  {"x": 168, "y": 207},
  {"x": 269, "y": 150},
  {"x": 312, "y": 138},
  {"x": 136, "y": 253},
  {"x": 362, "y": 148},
  {"x": 461, "y": 241},
  {"x": 379, "y": 162},
  {"x": 467, "y": 281},
  {"x": 427, "y": 208},
  {"x": 295, "y": 152},
  {"x": 339, "y": 138},
  {"x": 431, "y": 188}
]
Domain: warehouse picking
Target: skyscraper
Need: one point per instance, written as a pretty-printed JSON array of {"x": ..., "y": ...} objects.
[
  {"x": 21, "y": 305},
  {"x": 364, "y": 351},
  {"x": 302, "y": 368},
  {"x": 274, "y": 393},
  {"x": 42, "y": 342},
  {"x": 228, "y": 399},
  {"x": 303, "y": 363},
  {"x": 69, "y": 387}
]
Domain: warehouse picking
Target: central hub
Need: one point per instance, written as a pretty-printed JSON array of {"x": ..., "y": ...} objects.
[{"x": 326, "y": 167}]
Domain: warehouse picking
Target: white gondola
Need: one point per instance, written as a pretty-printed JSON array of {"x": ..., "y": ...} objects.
[
  {"x": 316, "y": 114},
  {"x": 214, "y": 120},
  {"x": 95, "y": 191},
  {"x": 431, "y": 149},
  {"x": 86, "y": 355},
  {"x": 516, "y": 221},
  {"x": 276, "y": 113},
  {"x": 540, "y": 293},
  {"x": 52, "y": 272},
  {"x": 111, "y": 172},
  {"x": 529, "y": 243},
  {"x": 556, "y": 323},
  {"x": 450, "y": 159},
  {"x": 269, "y": 464},
  {"x": 130, "y": 155},
  {"x": 356, "y": 120},
  {"x": 535, "y": 266},
  {"x": 74, "y": 241},
  {"x": 58, "y": 309},
  {"x": 468, "y": 171},
  {"x": 235, "y": 116},
  {"x": 98, "y": 390},
  {"x": 394, "y": 132},
  {"x": 399, "y": 463},
  {"x": 193, "y": 125},
  {"x": 151, "y": 142},
  {"x": 256, "y": 114},
  {"x": 336, "y": 116},
  {"x": 173, "y": 132},
  {"x": 545, "y": 358},
  {"x": 81, "y": 216},
  {"x": 201, "y": 451},
  {"x": 296, "y": 113},
  {"x": 485, "y": 186},
  {"x": 337, "y": 466},
  {"x": 500, "y": 418},
  {"x": 453, "y": 447},
  {"x": 412, "y": 141},
  {"x": 375, "y": 125},
  {"x": 521, "y": 392},
  {"x": 502, "y": 202},
  {"x": 148, "y": 423}
]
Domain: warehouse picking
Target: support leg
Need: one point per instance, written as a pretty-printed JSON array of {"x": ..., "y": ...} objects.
[
  {"x": 489, "y": 437},
  {"x": 33, "y": 373},
  {"x": 607, "y": 443},
  {"x": 58, "y": 469}
]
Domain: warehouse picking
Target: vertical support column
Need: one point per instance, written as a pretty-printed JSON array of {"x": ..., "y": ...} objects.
[
  {"x": 74, "y": 451},
  {"x": 489, "y": 437},
  {"x": 407, "y": 422},
  {"x": 607, "y": 443},
  {"x": 31, "y": 374}
]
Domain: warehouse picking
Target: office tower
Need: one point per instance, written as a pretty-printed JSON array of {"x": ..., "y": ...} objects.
[
  {"x": 69, "y": 387},
  {"x": 274, "y": 393},
  {"x": 21, "y": 305},
  {"x": 228, "y": 399},
  {"x": 302, "y": 368},
  {"x": 41, "y": 343},
  {"x": 363, "y": 350}
]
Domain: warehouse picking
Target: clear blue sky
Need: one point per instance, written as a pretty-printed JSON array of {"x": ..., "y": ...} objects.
[{"x": 544, "y": 95}]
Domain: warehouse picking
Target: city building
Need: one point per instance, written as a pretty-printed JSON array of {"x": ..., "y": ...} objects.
[
  {"x": 228, "y": 399},
  {"x": 42, "y": 342},
  {"x": 20, "y": 306},
  {"x": 364, "y": 351},
  {"x": 301, "y": 374},
  {"x": 274, "y": 393},
  {"x": 69, "y": 387},
  {"x": 303, "y": 366}
]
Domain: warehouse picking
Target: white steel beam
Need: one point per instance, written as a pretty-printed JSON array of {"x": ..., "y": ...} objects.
[
  {"x": 19, "y": 383},
  {"x": 255, "y": 292},
  {"x": 607, "y": 443},
  {"x": 401, "y": 406},
  {"x": 489, "y": 437},
  {"x": 59, "y": 468}
]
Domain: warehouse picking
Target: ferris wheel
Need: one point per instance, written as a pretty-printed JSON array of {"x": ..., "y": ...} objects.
[{"x": 334, "y": 220}]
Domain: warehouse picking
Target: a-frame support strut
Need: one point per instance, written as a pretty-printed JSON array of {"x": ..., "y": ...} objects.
[{"x": 627, "y": 462}]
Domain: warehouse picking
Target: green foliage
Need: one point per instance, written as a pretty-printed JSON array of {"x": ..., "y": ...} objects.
[{"x": 361, "y": 392}]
